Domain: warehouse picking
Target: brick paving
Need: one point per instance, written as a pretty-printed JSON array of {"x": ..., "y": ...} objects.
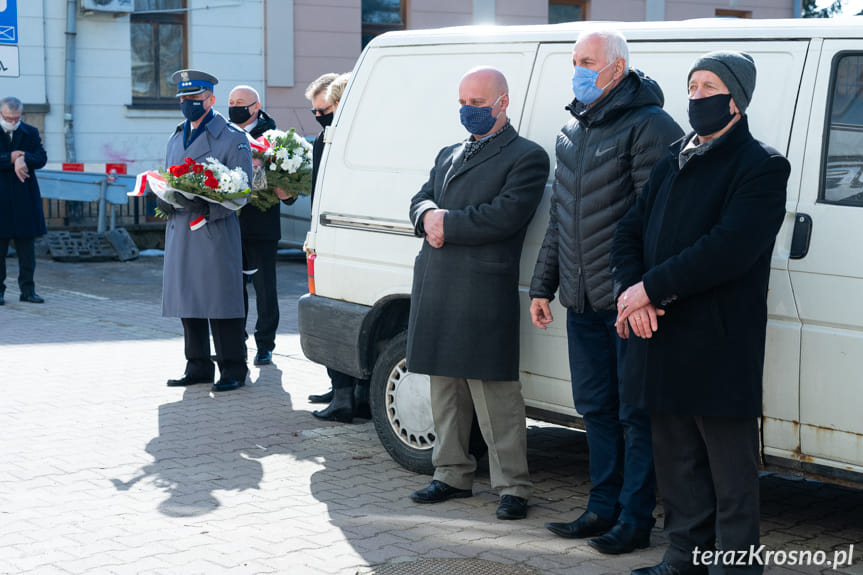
[{"x": 106, "y": 470}]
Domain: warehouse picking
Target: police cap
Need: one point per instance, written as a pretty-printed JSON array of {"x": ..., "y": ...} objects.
[{"x": 191, "y": 82}]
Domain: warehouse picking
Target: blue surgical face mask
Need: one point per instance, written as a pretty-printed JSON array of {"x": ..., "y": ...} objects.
[
  {"x": 478, "y": 121},
  {"x": 584, "y": 84},
  {"x": 192, "y": 109}
]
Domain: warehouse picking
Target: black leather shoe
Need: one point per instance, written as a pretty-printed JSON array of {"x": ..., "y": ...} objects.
[
  {"x": 342, "y": 415},
  {"x": 512, "y": 507},
  {"x": 341, "y": 408},
  {"x": 623, "y": 538},
  {"x": 322, "y": 398},
  {"x": 666, "y": 568},
  {"x": 588, "y": 525},
  {"x": 263, "y": 357},
  {"x": 225, "y": 384},
  {"x": 188, "y": 380},
  {"x": 32, "y": 298},
  {"x": 438, "y": 491}
]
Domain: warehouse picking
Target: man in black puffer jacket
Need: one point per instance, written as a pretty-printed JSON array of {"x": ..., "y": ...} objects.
[{"x": 604, "y": 157}]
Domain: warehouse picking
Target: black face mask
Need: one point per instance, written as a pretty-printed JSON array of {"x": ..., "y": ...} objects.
[
  {"x": 709, "y": 115},
  {"x": 192, "y": 109},
  {"x": 325, "y": 119},
  {"x": 240, "y": 114}
]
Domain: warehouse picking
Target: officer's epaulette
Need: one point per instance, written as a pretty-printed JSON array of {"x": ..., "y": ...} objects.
[
  {"x": 179, "y": 127},
  {"x": 235, "y": 129}
]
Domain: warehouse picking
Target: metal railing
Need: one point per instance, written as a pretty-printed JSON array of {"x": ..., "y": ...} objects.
[{"x": 83, "y": 199}]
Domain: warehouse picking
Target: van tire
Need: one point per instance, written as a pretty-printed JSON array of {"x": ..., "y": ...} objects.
[{"x": 401, "y": 410}]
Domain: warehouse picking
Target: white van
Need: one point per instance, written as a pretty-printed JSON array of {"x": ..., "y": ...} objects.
[{"x": 401, "y": 107}]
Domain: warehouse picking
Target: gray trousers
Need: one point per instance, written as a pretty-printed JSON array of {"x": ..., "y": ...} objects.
[
  {"x": 707, "y": 473},
  {"x": 500, "y": 412}
]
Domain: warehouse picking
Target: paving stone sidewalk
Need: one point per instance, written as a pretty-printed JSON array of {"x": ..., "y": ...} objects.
[{"x": 104, "y": 469}]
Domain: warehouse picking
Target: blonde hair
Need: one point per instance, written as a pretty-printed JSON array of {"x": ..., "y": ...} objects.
[
  {"x": 337, "y": 88},
  {"x": 319, "y": 85}
]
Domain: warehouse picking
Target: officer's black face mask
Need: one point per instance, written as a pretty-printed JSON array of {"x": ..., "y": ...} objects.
[
  {"x": 709, "y": 115},
  {"x": 325, "y": 119},
  {"x": 240, "y": 114},
  {"x": 192, "y": 109}
]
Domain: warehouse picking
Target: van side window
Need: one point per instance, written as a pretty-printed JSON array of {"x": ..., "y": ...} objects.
[{"x": 842, "y": 180}]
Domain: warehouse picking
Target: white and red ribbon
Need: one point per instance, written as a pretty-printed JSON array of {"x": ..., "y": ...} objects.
[
  {"x": 198, "y": 223},
  {"x": 260, "y": 145}
]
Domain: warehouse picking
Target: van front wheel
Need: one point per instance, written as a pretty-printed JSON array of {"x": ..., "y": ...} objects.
[{"x": 401, "y": 409}]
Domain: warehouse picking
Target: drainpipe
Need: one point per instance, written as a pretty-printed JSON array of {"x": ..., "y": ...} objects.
[{"x": 71, "y": 15}]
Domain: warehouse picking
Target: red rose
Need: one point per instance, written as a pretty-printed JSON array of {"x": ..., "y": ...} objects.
[
  {"x": 189, "y": 161},
  {"x": 173, "y": 171},
  {"x": 197, "y": 168},
  {"x": 211, "y": 182},
  {"x": 208, "y": 173},
  {"x": 182, "y": 170}
]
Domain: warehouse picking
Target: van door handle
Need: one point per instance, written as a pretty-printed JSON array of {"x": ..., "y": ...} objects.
[{"x": 800, "y": 237}]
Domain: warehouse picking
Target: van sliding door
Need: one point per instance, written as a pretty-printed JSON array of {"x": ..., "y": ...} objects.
[{"x": 827, "y": 274}]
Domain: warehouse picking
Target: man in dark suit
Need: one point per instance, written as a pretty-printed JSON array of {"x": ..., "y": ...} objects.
[
  {"x": 690, "y": 262},
  {"x": 260, "y": 230},
  {"x": 21, "y": 216},
  {"x": 463, "y": 328}
]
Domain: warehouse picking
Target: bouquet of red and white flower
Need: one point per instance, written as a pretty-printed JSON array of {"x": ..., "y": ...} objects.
[
  {"x": 286, "y": 166},
  {"x": 212, "y": 181}
]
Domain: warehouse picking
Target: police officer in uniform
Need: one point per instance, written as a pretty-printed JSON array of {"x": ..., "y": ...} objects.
[{"x": 203, "y": 281}]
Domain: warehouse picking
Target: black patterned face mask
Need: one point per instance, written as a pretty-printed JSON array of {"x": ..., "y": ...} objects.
[{"x": 709, "y": 115}]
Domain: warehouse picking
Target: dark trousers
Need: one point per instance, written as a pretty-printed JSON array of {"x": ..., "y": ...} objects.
[
  {"x": 707, "y": 469},
  {"x": 229, "y": 344},
  {"x": 25, "y": 247},
  {"x": 261, "y": 255},
  {"x": 618, "y": 434}
]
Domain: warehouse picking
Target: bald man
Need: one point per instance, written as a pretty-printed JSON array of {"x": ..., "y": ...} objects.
[
  {"x": 463, "y": 329},
  {"x": 261, "y": 231}
]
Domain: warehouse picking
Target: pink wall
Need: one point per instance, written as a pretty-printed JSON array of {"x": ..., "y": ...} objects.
[{"x": 326, "y": 39}]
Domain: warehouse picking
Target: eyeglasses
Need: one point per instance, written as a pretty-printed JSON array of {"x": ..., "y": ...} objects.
[
  {"x": 11, "y": 119},
  {"x": 322, "y": 111}
]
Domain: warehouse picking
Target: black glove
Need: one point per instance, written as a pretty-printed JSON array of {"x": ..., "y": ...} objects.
[
  {"x": 196, "y": 205},
  {"x": 165, "y": 207}
]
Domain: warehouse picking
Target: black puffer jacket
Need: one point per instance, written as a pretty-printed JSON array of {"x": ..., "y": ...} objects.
[{"x": 604, "y": 157}]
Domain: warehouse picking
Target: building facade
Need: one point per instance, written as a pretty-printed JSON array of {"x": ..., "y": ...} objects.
[{"x": 94, "y": 75}]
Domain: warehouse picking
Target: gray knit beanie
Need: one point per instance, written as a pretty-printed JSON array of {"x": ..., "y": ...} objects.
[{"x": 735, "y": 69}]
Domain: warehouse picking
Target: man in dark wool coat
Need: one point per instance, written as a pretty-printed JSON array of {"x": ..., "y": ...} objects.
[
  {"x": 690, "y": 262},
  {"x": 203, "y": 279},
  {"x": 260, "y": 230},
  {"x": 464, "y": 320},
  {"x": 21, "y": 217}
]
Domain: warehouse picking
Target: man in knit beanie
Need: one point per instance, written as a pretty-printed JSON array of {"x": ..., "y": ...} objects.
[{"x": 690, "y": 263}]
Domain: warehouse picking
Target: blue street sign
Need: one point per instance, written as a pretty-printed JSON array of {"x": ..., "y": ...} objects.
[{"x": 8, "y": 21}]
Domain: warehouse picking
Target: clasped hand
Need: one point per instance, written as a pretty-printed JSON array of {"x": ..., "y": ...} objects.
[
  {"x": 21, "y": 169},
  {"x": 635, "y": 313},
  {"x": 433, "y": 226}
]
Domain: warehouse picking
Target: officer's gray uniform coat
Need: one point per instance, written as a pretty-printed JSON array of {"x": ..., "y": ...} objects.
[{"x": 203, "y": 275}]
